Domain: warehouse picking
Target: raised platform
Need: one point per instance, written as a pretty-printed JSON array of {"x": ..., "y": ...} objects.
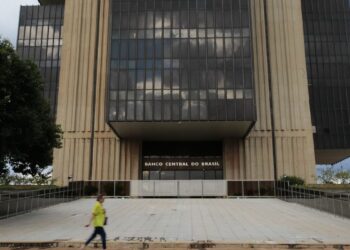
[{"x": 224, "y": 222}]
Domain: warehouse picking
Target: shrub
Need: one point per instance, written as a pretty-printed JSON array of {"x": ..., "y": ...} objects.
[
  {"x": 343, "y": 176},
  {"x": 293, "y": 180}
]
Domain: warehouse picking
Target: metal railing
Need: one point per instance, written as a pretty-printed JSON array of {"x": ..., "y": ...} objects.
[
  {"x": 251, "y": 188},
  {"x": 181, "y": 188},
  {"x": 331, "y": 202},
  {"x": 18, "y": 202}
]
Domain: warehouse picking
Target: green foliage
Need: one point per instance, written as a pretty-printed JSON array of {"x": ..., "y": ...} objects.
[
  {"x": 28, "y": 133},
  {"x": 18, "y": 179},
  {"x": 293, "y": 180},
  {"x": 5, "y": 179},
  {"x": 43, "y": 179},
  {"x": 329, "y": 186},
  {"x": 343, "y": 176},
  {"x": 327, "y": 175},
  {"x": 24, "y": 187}
]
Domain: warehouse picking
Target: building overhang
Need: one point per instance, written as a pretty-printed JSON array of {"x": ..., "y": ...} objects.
[
  {"x": 331, "y": 156},
  {"x": 182, "y": 131},
  {"x": 45, "y": 2}
]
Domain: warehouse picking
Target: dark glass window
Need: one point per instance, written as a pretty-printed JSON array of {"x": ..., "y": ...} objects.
[
  {"x": 197, "y": 174},
  {"x": 209, "y": 175},
  {"x": 145, "y": 175},
  {"x": 182, "y": 175},
  {"x": 154, "y": 175},
  {"x": 167, "y": 175},
  {"x": 188, "y": 46},
  {"x": 327, "y": 36},
  {"x": 40, "y": 40}
]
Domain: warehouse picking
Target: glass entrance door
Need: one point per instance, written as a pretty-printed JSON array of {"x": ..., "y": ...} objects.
[
  {"x": 182, "y": 161},
  {"x": 182, "y": 175}
]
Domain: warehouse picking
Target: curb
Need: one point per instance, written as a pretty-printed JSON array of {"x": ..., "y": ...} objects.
[{"x": 172, "y": 245}]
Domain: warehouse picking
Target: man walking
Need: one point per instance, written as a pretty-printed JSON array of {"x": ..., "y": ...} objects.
[{"x": 99, "y": 220}]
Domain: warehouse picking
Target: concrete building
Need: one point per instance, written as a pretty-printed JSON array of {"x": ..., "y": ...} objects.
[{"x": 193, "y": 89}]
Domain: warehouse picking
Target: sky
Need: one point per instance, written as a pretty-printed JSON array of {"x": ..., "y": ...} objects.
[{"x": 9, "y": 17}]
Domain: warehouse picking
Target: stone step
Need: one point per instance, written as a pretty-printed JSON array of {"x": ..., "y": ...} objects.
[{"x": 66, "y": 245}]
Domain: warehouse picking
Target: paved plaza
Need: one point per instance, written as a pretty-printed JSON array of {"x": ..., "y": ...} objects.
[{"x": 255, "y": 221}]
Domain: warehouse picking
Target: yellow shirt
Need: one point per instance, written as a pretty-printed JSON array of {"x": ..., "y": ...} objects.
[{"x": 99, "y": 213}]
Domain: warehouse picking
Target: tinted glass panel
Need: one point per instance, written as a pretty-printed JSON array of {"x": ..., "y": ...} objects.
[
  {"x": 188, "y": 46},
  {"x": 327, "y": 36},
  {"x": 40, "y": 40}
]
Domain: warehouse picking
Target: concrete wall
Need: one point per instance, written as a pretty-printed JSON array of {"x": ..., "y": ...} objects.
[
  {"x": 248, "y": 159},
  {"x": 112, "y": 158},
  {"x": 253, "y": 157}
]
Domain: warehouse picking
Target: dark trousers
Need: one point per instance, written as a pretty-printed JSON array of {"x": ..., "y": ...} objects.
[{"x": 101, "y": 232}]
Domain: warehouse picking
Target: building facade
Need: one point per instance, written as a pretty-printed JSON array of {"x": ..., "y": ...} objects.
[
  {"x": 327, "y": 42},
  {"x": 192, "y": 89},
  {"x": 40, "y": 40}
]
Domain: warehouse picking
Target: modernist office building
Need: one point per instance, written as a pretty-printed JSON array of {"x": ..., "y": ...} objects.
[{"x": 193, "y": 89}]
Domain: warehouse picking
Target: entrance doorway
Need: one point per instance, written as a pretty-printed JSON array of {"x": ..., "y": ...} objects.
[{"x": 182, "y": 161}]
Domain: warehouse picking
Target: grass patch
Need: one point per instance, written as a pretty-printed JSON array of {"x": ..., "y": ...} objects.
[
  {"x": 24, "y": 187},
  {"x": 329, "y": 186}
]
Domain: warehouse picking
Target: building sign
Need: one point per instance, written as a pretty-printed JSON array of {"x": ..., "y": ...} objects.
[{"x": 181, "y": 163}]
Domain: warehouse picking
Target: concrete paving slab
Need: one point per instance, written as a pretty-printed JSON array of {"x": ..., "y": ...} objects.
[{"x": 255, "y": 221}]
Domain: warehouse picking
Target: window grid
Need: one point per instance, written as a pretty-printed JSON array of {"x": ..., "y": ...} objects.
[
  {"x": 40, "y": 40},
  {"x": 326, "y": 30},
  {"x": 196, "y": 63}
]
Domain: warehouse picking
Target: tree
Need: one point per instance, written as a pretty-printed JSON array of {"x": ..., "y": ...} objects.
[
  {"x": 343, "y": 176},
  {"x": 327, "y": 175},
  {"x": 28, "y": 133}
]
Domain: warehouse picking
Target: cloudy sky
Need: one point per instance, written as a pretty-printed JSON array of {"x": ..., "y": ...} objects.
[{"x": 9, "y": 15}]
